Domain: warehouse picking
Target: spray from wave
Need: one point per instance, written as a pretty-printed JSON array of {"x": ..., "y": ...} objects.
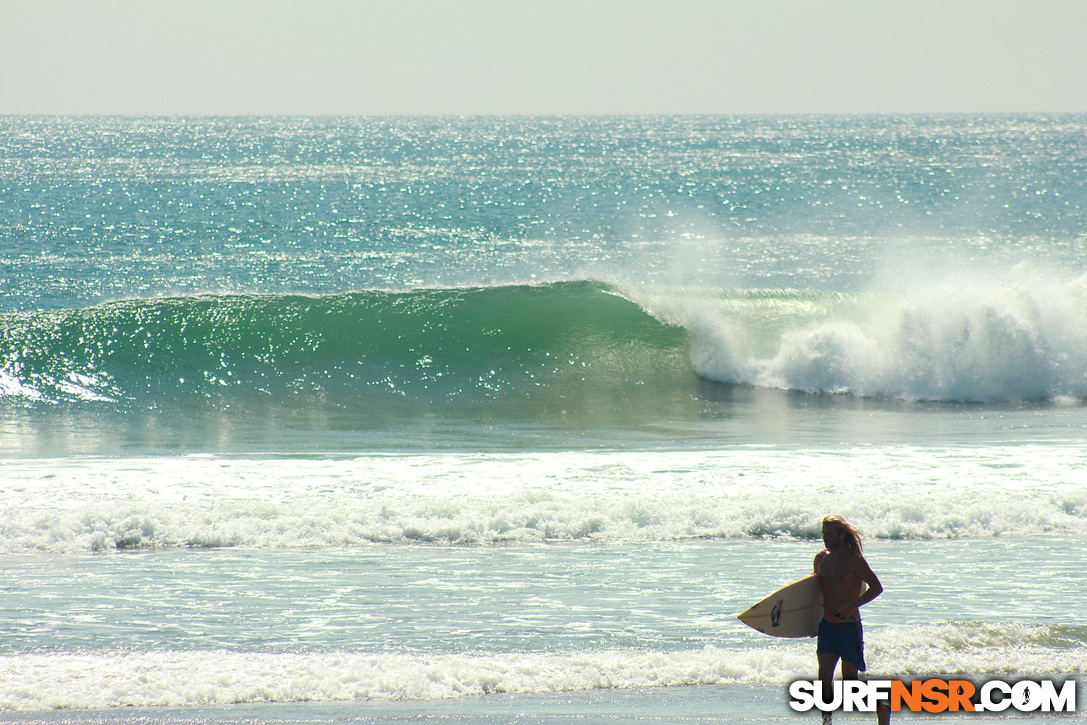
[{"x": 960, "y": 339}]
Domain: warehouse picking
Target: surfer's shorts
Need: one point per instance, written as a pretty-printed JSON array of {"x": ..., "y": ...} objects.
[{"x": 845, "y": 639}]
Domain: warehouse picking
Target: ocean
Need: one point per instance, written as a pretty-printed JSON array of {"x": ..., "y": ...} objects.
[{"x": 493, "y": 420}]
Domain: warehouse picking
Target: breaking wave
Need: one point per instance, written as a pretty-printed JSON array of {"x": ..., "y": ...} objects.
[{"x": 557, "y": 348}]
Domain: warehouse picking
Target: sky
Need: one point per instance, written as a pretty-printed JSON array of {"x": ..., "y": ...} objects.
[{"x": 469, "y": 57}]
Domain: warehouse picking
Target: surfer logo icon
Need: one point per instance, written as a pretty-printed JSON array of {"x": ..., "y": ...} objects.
[
  {"x": 775, "y": 613},
  {"x": 792, "y": 611}
]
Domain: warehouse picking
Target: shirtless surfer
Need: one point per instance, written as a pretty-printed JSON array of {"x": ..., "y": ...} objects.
[{"x": 843, "y": 573}]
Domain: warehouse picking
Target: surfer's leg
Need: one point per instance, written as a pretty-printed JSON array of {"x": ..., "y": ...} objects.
[
  {"x": 883, "y": 710},
  {"x": 827, "y": 662}
]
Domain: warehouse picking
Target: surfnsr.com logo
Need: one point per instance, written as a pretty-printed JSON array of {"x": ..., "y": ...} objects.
[{"x": 936, "y": 695}]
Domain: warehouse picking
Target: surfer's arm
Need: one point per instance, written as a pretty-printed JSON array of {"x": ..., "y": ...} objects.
[{"x": 874, "y": 589}]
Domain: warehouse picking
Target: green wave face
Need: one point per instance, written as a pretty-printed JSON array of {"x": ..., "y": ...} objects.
[
  {"x": 568, "y": 345},
  {"x": 575, "y": 356}
]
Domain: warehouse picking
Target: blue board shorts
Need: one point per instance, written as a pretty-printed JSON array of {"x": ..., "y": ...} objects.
[{"x": 845, "y": 639}]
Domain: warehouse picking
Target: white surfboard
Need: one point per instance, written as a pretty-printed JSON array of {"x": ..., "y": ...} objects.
[{"x": 792, "y": 611}]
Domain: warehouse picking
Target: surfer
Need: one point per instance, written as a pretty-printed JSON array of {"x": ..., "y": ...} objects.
[{"x": 842, "y": 573}]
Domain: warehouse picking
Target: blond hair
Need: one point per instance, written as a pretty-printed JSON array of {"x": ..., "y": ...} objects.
[{"x": 853, "y": 537}]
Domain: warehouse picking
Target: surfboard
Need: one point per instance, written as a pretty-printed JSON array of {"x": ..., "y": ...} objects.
[{"x": 792, "y": 611}]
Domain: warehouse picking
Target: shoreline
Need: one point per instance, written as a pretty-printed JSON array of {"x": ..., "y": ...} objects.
[{"x": 737, "y": 704}]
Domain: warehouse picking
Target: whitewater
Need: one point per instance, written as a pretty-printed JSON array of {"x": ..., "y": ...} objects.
[
  {"x": 94, "y": 504},
  {"x": 505, "y": 419}
]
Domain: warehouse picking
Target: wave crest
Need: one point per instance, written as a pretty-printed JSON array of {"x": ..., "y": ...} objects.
[{"x": 565, "y": 347}]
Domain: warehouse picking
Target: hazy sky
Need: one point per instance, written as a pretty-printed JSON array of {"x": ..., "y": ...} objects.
[{"x": 541, "y": 56}]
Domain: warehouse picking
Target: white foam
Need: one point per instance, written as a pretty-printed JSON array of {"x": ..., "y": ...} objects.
[
  {"x": 979, "y": 648},
  {"x": 959, "y": 337},
  {"x": 92, "y": 680},
  {"x": 13, "y": 387},
  {"x": 164, "y": 679},
  {"x": 88, "y": 504}
]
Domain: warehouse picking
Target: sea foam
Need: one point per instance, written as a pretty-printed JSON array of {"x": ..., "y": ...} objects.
[
  {"x": 960, "y": 338},
  {"x": 92, "y": 504},
  {"x": 93, "y": 680}
]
